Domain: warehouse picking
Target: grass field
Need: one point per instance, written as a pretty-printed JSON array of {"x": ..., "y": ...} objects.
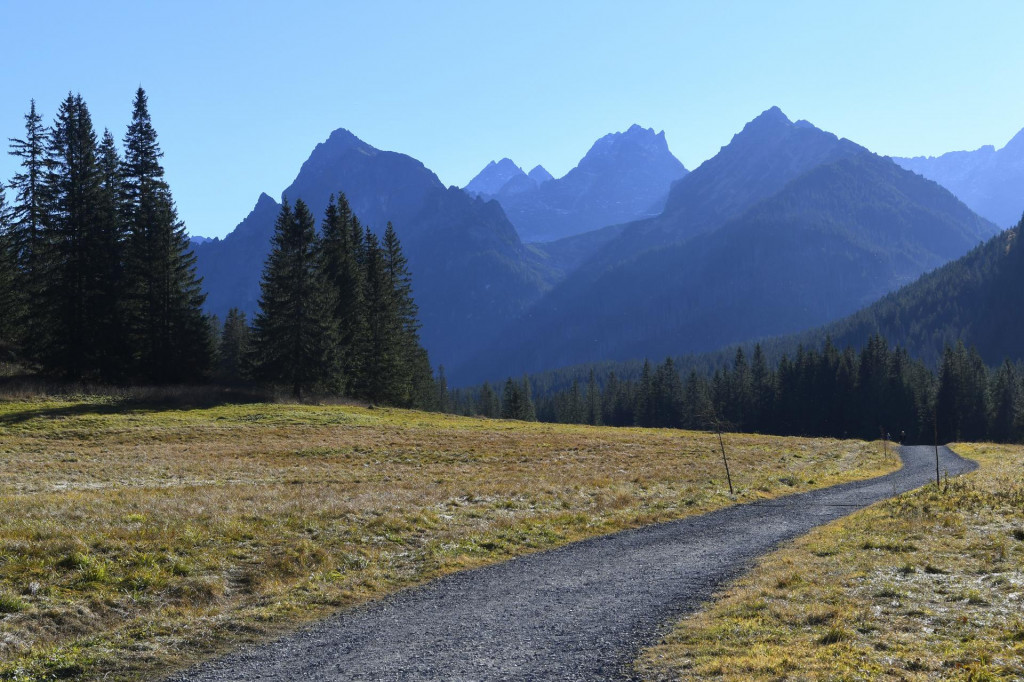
[
  {"x": 929, "y": 585},
  {"x": 137, "y": 539}
]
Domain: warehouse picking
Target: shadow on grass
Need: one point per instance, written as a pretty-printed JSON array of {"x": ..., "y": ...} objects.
[{"x": 123, "y": 400}]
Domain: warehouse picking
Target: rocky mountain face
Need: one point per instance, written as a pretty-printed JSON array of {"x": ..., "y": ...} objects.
[
  {"x": 988, "y": 180},
  {"x": 788, "y": 227},
  {"x": 624, "y": 176},
  {"x": 471, "y": 273}
]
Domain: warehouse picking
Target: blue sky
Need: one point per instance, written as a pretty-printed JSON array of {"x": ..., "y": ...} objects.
[{"x": 240, "y": 92}]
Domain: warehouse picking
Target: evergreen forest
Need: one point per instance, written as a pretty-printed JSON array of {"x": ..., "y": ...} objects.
[
  {"x": 878, "y": 392},
  {"x": 98, "y": 281}
]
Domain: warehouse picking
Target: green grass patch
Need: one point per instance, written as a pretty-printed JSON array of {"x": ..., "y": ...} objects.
[{"x": 137, "y": 537}]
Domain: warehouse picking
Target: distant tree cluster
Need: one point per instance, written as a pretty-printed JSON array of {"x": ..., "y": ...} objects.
[
  {"x": 97, "y": 281},
  {"x": 336, "y": 313},
  {"x": 827, "y": 392}
]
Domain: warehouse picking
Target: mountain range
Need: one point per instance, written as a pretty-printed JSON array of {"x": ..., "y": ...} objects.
[
  {"x": 788, "y": 227},
  {"x": 625, "y": 176},
  {"x": 989, "y": 180}
]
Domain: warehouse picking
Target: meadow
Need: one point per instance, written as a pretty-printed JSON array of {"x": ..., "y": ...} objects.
[
  {"x": 139, "y": 537},
  {"x": 928, "y": 585}
]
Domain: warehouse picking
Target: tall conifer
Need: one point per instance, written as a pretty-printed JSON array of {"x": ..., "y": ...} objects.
[
  {"x": 26, "y": 229},
  {"x": 9, "y": 319},
  {"x": 293, "y": 333},
  {"x": 167, "y": 327},
  {"x": 81, "y": 253},
  {"x": 342, "y": 249}
]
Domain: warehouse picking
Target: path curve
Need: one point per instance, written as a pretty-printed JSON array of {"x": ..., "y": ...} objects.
[{"x": 581, "y": 612}]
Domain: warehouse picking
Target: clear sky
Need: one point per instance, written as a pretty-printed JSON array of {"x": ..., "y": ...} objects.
[{"x": 241, "y": 91}]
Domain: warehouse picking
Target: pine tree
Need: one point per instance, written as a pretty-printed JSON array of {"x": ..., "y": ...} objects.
[
  {"x": 594, "y": 415},
  {"x": 165, "y": 321},
  {"x": 114, "y": 353},
  {"x": 442, "y": 400},
  {"x": 26, "y": 239},
  {"x": 960, "y": 409},
  {"x": 234, "y": 348},
  {"x": 413, "y": 361},
  {"x": 383, "y": 378},
  {"x": 644, "y": 413},
  {"x": 763, "y": 392},
  {"x": 488, "y": 404},
  {"x": 342, "y": 248},
  {"x": 667, "y": 396},
  {"x": 293, "y": 331},
  {"x": 9, "y": 319},
  {"x": 78, "y": 302}
]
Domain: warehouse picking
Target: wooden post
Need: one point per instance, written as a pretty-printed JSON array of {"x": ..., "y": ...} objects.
[{"x": 721, "y": 443}]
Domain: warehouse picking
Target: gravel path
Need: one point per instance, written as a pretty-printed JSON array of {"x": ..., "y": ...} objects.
[{"x": 581, "y": 612}]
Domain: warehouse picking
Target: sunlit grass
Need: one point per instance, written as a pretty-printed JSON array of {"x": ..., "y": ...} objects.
[
  {"x": 136, "y": 539},
  {"x": 927, "y": 586}
]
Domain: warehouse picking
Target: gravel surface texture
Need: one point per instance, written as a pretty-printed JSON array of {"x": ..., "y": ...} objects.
[{"x": 581, "y": 612}]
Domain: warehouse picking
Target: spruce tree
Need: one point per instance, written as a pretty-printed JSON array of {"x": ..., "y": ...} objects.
[
  {"x": 1004, "y": 400},
  {"x": 9, "y": 301},
  {"x": 114, "y": 356},
  {"x": 384, "y": 378},
  {"x": 234, "y": 347},
  {"x": 25, "y": 235},
  {"x": 488, "y": 404},
  {"x": 166, "y": 325},
  {"x": 593, "y": 401},
  {"x": 414, "y": 364},
  {"x": 342, "y": 249},
  {"x": 293, "y": 331},
  {"x": 79, "y": 299}
]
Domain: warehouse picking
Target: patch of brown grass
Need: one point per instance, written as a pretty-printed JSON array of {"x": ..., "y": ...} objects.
[
  {"x": 135, "y": 538},
  {"x": 925, "y": 586}
]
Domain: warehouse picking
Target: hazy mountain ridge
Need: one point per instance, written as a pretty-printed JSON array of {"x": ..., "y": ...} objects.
[
  {"x": 624, "y": 176},
  {"x": 988, "y": 180},
  {"x": 834, "y": 238}
]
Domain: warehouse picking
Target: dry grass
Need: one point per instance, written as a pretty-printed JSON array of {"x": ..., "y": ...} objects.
[
  {"x": 927, "y": 586},
  {"x": 134, "y": 540}
]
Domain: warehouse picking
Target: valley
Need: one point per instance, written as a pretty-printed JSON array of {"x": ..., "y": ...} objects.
[{"x": 139, "y": 536}]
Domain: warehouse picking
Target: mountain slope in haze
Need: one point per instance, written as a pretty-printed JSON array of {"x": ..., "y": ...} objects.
[
  {"x": 471, "y": 273},
  {"x": 831, "y": 241},
  {"x": 988, "y": 180},
  {"x": 976, "y": 299},
  {"x": 231, "y": 267},
  {"x": 760, "y": 160},
  {"x": 623, "y": 177}
]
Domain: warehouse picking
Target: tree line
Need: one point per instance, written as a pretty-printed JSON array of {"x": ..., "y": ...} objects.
[
  {"x": 878, "y": 391},
  {"x": 336, "y": 316},
  {"x": 98, "y": 280}
]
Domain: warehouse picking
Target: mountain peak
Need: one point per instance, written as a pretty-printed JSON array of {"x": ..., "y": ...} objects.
[
  {"x": 264, "y": 201},
  {"x": 635, "y": 137},
  {"x": 771, "y": 119},
  {"x": 493, "y": 177},
  {"x": 540, "y": 174},
  {"x": 342, "y": 139}
]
